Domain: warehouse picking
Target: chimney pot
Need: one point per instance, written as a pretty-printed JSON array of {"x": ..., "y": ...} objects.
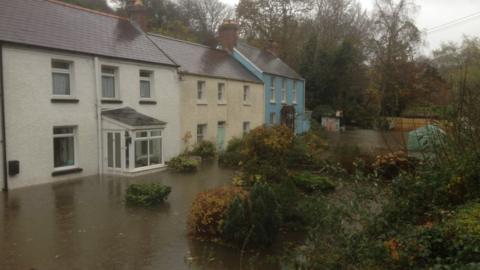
[
  {"x": 228, "y": 35},
  {"x": 137, "y": 13},
  {"x": 272, "y": 47}
]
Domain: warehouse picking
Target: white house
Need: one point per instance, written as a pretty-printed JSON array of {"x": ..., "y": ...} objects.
[{"x": 83, "y": 93}]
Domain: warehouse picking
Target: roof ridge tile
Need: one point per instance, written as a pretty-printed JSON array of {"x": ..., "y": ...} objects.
[{"x": 58, "y": 2}]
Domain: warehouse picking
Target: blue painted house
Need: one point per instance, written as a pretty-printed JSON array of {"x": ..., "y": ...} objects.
[{"x": 284, "y": 88}]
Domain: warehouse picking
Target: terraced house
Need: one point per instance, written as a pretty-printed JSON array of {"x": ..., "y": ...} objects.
[
  {"x": 284, "y": 95},
  {"x": 220, "y": 99},
  {"x": 84, "y": 93}
]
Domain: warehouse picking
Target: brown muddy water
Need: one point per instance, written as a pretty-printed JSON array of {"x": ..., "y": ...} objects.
[
  {"x": 85, "y": 224},
  {"x": 368, "y": 140}
]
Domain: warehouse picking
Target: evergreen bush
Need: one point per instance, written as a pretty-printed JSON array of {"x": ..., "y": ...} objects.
[{"x": 147, "y": 194}]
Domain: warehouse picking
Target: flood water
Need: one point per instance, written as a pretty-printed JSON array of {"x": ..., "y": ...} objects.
[
  {"x": 85, "y": 224},
  {"x": 368, "y": 140}
]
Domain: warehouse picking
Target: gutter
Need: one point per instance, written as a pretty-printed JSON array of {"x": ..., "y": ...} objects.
[{"x": 4, "y": 137}]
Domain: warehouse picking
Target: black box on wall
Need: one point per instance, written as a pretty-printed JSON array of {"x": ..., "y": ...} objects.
[{"x": 13, "y": 167}]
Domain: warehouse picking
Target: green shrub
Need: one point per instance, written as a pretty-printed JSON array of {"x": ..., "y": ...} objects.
[
  {"x": 209, "y": 210},
  {"x": 256, "y": 222},
  {"x": 232, "y": 157},
  {"x": 204, "y": 149},
  {"x": 288, "y": 198},
  {"x": 147, "y": 194},
  {"x": 184, "y": 164},
  {"x": 312, "y": 183}
]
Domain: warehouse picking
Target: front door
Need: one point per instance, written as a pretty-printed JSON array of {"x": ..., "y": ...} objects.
[
  {"x": 113, "y": 150},
  {"x": 287, "y": 117},
  {"x": 221, "y": 135}
]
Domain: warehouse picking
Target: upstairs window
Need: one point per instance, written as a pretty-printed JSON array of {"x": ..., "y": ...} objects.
[
  {"x": 109, "y": 82},
  {"x": 294, "y": 92},
  {"x": 64, "y": 140},
  {"x": 201, "y": 91},
  {"x": 61, "y": 73},
  {"x": 221, "y": 93},
  {"x": 146, "y": 84},
  {"x": 246, "y": 94},
  {"x": 284, "y": 91},
  {"x": 272, "y": 89}
]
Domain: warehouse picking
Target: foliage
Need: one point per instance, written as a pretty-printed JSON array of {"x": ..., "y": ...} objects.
[
  {"x": 391, "y": 164},
  {"x": 184, "y": 163},
  {"x": 146, "y": 194},
  {"x": 312, "y": 183},
  {"x": 236, "y": 226},
  {"x": 308, "y": 150},
  {"x": 288, "y": 198},
  {"x": 232, "y": 157},
  {"x": 267, "y": 151},
  {"x": 204, "y": 149}
]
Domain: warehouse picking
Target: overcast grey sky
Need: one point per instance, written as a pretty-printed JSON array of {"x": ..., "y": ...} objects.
[{"x": 432, "y": 13}]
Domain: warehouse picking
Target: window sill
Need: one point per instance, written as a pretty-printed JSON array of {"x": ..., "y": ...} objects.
[
  {"x": 202, "y": 103},
  {"x": 64, "y": 100},
  {"x": 111, "y": 101},
  {"x": 272, "y": 102},
  {"x": 147, "y": 102},
  {"x": 66, "y": 171},
  {"x": 221, "y": 103},
  {"x": 247, "y": 104}
]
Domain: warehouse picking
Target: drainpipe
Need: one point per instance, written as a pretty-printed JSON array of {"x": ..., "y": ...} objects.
[
  {"x": 4, "y": 137},
  {"x": 97, "y": 78}
]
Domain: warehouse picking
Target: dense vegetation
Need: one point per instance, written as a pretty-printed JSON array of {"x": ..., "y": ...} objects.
[{"x": 147, "y": 194}]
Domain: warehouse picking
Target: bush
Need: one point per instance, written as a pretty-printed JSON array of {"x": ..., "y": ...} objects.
[
  {"x": 267, "y": 151},
  {"x": 232, "y": 157},
  {"x": 312, "y": 183},
  {"x": 256, "y": 222},
  {"x": 288, "y": 198},
  {"x": 184, "y": 164},
  {"x": 147, "y": 194},
  {"x": 390, "y": 165},
  {"x": 308, "y": 151},
  {"x": 209, "y": 209},
  {"x": 204, "y": 149}
]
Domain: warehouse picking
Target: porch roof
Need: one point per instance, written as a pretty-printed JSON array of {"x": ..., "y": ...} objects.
[{"x": 132, "y": 118}]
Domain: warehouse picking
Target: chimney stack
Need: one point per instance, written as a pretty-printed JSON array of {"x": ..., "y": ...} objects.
[
  {"x": 137, "y": 13},
  {"x": 272, "y": 47},
  {"x": 228, "y": 35}
]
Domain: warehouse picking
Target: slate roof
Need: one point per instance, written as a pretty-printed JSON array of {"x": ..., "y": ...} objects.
[
  {"x": 203, "y": 60},
  {"x": 53, "y": 24},
  {"x": 267, "y": 62},
  {"x": 132, "y": 118}
]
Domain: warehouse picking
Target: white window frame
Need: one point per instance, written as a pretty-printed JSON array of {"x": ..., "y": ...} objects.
[
  {"x": 221, "y": 90},
  {"x": 294, "y": 92},
  {"x": 69, "y": 72},
  {"x": 148, "y": 79},
  {"x": 201, "y": 92},
  {"x": 116, "y": 88},
  {"x": 246, "y": 94},
  {"x": 246, "y": 127},
  {"x": 273, "y": 120},
  {"x": 74, "y": 134},
  {"x": 284, "y": 90},
  {"x": 203, "y": 134},
  {"x": 272, "y": 90},
  {"x": 132, "y": 150}
]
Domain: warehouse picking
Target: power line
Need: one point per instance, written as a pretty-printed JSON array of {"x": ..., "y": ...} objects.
[{"x": 455, "y": 22}]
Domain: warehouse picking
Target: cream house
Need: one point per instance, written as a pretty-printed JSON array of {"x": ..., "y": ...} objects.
[
  {"x": 220, "y": 99},
  {"x": 84, "y": 93}
]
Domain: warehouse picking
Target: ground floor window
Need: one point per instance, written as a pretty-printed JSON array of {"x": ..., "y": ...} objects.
[
  {"x": 272, "y": 118},
  {"x": 246, "y": 127},
  {"x": 148, "y": 148},
  {"x": 64, "y": 140},
  {"x": 201, "y": 132}
]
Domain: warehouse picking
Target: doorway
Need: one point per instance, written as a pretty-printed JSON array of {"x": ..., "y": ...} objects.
[
  {"x": 221, "y": 135},
  {"x": 113, "y": 150}
]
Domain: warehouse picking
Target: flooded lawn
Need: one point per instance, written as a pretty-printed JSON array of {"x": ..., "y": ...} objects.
[
  {"x": 84, "y": 224},
  {"x": 370, "y": 140}
]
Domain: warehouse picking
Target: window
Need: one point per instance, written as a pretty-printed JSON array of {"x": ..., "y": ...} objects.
[
  {"x": 201, "y": 90},
  {"x": 61, "y": 78},
  {"x": 246, "y": 93},
  {"x": 272, "y": 118},
  {"x": 64, "y": 140},
  {"x": 145, "y": 84},
  {"x": 201, "y": 132},
  {"x": 272, "y": 89},
  {"x": 294, "y": 92},
  {"x": 284, "y": 91},
  {"x": 148, "y": 148},
  {"x": 109, "y": 82},
  {"x": 221, "y": 92},
  {"x": 246, "y": 127}
]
